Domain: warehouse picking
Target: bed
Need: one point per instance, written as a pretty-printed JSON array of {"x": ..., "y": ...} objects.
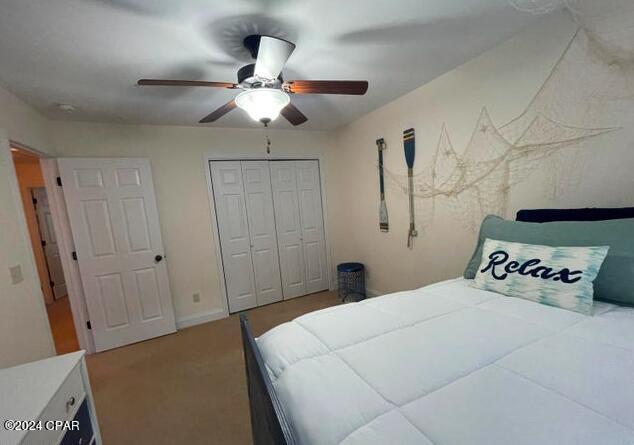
[{"x": 445, "y": 364}]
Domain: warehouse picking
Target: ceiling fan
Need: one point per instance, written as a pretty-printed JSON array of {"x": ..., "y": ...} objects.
[{"x": 265, "y": 93}]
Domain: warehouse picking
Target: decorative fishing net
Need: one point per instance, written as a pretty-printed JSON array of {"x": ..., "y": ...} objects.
[
  {"x": 478, "y": 180},
  {"x": 539, "y": 6}
]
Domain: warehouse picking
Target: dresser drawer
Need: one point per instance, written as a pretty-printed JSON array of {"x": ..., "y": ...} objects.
[
  {"x": 62, "y": 406},
  {"x": 83, "y": 435}
]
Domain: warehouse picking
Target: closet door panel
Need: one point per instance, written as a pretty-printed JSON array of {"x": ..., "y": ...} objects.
[
  {"x": 259, "y": 202},
  {"x": 315, "y": 266},
  {"x": 312, "y": 225},
  {"x": 288, "y": 227},
  {"x": 294, "y": 266},
  {"x": 233, "y": 227}
]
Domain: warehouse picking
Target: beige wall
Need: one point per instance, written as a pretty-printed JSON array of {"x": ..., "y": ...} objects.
[
  {"x": 24, "y": 330},
  {"x": 176, "y": 154},
  {"x": 30, "y": 176},
  {"x": 504, "y": 80},
  {"x": 23, "y": 123}
]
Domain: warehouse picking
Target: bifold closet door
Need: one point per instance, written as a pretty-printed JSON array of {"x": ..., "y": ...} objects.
[
  {"x": 264, "y": 253},
  {"x": 246, "y": 223},
  {"x": 288, "y": 226},
  {"x": 300, "y": 227},
  {"x": 312, "y": 224},
  {"x": 231, "y": 213}
]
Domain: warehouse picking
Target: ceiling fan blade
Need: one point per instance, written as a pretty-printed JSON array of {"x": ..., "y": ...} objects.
[
  {"x": 293, "y": 115},
  {"x": 218, "y": 113},
  {"x": 272, "y": 55},
  {"x": 185, "y": 83},
  {"x": 356, "y": 87}
]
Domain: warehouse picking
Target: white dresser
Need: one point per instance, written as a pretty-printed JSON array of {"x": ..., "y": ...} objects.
[{"x": 48, "y": 402}]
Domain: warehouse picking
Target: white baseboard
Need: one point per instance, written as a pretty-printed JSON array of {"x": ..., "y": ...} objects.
[
  {"x": 372, "y": 293},
  {"x": 203, "y": 317}
]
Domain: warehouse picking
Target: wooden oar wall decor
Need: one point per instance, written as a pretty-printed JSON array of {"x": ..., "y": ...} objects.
[
  {"x": 409, "y": 145},
  {"x": 383, "y": 220}
]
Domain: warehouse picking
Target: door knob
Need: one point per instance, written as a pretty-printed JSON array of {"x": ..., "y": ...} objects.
[{"x": 158, "y": 258}]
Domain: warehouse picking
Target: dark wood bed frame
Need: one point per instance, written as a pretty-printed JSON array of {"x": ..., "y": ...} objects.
[{"x": 268, "y": 421}]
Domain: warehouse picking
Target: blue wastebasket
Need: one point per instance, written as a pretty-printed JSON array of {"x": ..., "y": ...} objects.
[{"x": 351, "y": 278}]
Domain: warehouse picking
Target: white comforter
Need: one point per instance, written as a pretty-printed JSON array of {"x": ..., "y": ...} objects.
[{"x": 449, "y": 364}]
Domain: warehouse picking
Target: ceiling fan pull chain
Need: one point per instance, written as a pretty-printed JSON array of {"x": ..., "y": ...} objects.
[{"x": 268, "y": 140}]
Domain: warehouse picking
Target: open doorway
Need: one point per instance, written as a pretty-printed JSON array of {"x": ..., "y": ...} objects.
[{"x": 45, "y": 249}]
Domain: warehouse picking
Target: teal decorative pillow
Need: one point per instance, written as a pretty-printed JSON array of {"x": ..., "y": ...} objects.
[
  {"x": 556, "y": 276},
  {"x": 615, "y": 282}
]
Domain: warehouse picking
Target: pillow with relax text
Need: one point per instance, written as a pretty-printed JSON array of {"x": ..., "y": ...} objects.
[
  {"x": 615, "y": 283},
  {"x": 557, "y": 276}
]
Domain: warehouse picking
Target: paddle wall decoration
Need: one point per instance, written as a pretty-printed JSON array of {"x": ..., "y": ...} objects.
[
  {"x": 384, "y": 224},
  {"x": 409, "y": 146}
]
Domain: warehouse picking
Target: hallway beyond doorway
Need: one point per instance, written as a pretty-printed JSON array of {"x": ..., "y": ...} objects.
[{"x": 61, "y": 320}]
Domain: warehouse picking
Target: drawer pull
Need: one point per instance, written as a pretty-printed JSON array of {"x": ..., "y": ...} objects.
[{"x": 70, "y": 403}]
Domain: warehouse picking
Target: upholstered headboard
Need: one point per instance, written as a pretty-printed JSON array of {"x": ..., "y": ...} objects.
[{"x": 587, "y": 214}]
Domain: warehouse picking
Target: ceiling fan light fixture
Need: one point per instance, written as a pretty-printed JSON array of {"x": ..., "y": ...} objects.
[{"x": 263, "y": 104}]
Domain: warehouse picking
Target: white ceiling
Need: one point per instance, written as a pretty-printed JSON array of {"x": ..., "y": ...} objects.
[{"x": 90, "y": 53}]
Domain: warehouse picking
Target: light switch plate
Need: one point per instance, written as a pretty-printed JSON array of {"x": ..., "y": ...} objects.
[{"x": 16, "y": 274}]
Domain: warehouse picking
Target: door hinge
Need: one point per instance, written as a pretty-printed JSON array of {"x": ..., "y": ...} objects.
[
  {"x": 74, "y": 254},
  {"x": 88, "y": 325},
  {"x": 59, "y": 181},
  {"x": 43, "y": 243}
]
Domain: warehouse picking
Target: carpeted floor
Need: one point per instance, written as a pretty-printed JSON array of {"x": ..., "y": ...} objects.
[{"x": 185, "y": 388}]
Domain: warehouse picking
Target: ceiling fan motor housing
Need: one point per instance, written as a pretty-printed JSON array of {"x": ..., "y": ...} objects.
[
  {"x": 252, "y": 44},
  {"x": 247, "y": 79},
  {"x": 246, "y": 76}
]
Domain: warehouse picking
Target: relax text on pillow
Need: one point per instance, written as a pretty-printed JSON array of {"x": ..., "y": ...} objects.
[{"x": 500, "y": 257}]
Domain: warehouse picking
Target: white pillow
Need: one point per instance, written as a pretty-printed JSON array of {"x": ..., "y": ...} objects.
[{"x": 556, "y": 276}]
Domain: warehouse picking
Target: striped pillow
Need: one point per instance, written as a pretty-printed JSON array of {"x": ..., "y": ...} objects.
[{"x": 557, "y": 276}]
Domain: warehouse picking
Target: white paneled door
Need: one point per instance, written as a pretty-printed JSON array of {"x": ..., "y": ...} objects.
[
  {"x": 114, "y": 219},
  {"x": 312, "y": 225},
  {"x": 264, "y": 254},
  {"x": 233, "y": 227},
  {"x": 289, "y": 230},
  {"x": 49, "y": 242}
]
